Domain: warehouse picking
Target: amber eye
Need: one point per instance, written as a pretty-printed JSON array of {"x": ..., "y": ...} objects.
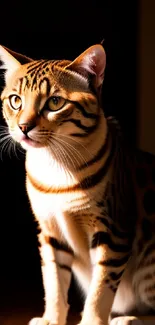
[
  {"x": 15, "y": 102},
  {"x": 55, "y": 103}
]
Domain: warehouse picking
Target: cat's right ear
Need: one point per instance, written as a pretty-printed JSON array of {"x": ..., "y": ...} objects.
[{"x": 11, "y": 60}]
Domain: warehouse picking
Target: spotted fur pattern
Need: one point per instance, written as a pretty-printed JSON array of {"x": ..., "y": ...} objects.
[{"x": 93, "y": 198}]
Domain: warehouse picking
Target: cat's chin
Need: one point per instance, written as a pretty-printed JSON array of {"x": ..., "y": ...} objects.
[{"x": 27, "y": 144}]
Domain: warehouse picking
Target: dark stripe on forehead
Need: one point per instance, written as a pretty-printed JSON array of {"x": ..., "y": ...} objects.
[
  {"x": 27, "y": 82},
  {"x": 41, "y": 65},
  {"x": 48, "y": 86},
  {"x": 20, "y": 85},
  {"x": 35, "y": 65},
  {"x": 41, "y": 68},
  {"x": 48, "y": 62}
]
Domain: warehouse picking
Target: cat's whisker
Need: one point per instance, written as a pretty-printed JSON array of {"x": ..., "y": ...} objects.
[
  {"x": 57, "y": 152},
  {"x": 8, "y": 145},
  {"x": 4, "y": 137},
  {"x": 70, "y": 151},
  {"x": 64, "y": 153},
  {"x": 74, "y": 152},
  {"x": 4, "y": 127},
  {"x": 17, "y": 149},
  {"x": 5, "y": 144},
  {"x": 76, "y": 155},
  {"x": 77, "y": 142},
  {"x": 47, "y": 133},
  {"x": 10, "y": 148},
  {"x": 84, "y": 187},
  {"x": 60, "y": 156}
]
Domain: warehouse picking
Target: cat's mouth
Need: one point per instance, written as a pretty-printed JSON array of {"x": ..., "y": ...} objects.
[{"x": 27, "y": 142}]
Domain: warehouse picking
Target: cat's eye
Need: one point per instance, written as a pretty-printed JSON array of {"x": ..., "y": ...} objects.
[
  {"x": 15, "y": 102},
  {"x": 55, "y": 103}
]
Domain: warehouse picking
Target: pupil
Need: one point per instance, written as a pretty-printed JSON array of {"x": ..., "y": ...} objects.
[
  {"x": 16, "y": 100},
  {"x": 55, "y": 100}
]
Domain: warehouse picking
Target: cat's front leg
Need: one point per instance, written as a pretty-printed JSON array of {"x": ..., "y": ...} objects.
[
  {"x": 109, "y": 258},
  {"x": 57, "y": 259}
]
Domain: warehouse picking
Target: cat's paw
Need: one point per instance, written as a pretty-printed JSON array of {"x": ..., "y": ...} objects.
[
  {"x": 92, "y": 321},
  {"x": 126, "y": 320},
  {"x": 39, "y": 321}
]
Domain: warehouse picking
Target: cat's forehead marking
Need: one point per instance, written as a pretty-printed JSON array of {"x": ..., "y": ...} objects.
[{"x": 44, "y": 76}]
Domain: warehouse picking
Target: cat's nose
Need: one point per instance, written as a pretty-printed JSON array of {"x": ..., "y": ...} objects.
[{"x": 26, "y": 127}]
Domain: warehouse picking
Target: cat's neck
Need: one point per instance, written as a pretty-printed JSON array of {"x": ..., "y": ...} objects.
[
  {"x": 42, "y": 166},
  {"x": 62, "y": 164}
]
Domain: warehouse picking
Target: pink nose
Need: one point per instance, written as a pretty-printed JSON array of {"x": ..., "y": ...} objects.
[{"x": 26, "y": 127}]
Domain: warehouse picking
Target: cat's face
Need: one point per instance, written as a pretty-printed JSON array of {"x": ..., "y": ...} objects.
[{"x": 45, "y": 99}]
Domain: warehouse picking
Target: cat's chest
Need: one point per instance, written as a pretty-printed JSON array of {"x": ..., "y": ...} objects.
[
  {"x": 70, "y": 212},
  {"x": 48, "y": 172}
]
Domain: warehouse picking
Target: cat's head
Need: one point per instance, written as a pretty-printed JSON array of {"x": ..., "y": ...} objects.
[{"x": 44, "y": 99}]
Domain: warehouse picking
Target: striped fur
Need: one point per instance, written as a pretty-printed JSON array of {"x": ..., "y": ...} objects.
[{"x": 80, "y": 179}]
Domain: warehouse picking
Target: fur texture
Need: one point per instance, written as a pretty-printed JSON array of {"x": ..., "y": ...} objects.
[{"x": 84, "y": 186}]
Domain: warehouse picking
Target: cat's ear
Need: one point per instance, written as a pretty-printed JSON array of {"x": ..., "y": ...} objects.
[
  {"x": 11, "y": 60},
  {"x": 91, "y": 64}
]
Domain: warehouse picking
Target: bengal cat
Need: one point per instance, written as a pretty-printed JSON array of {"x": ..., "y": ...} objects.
[{"x": 93, "y": 198}]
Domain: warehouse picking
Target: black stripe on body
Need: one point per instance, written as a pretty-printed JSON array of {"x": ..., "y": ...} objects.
[
  {"x": 62, "y": 266},
  {"x": 104, "y": 238},
  {"x": 149, "y": 276},
  {"x": 113, "y": 288},
  {"x": 86, "y": 183},
  {"x": 100, "y": 154},
  {"x": 150, "y": 249},
  {"x": 96, "y": 178},
  {"x": 150, "y": 288},
  {"x": 116, "y": 276},
  {"x": 114, "y": 314},
  {"x": 65, "y": 267},
  {"x": 116, "y": 232},
  {"x": 151, "y": 298},
  {"x": 60, "y": 246},
  {"x": 115, "y": 262}
]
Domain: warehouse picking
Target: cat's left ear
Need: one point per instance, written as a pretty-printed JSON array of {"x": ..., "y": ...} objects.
[
  {"x": 91, "y": 64},
  {"x": 11, "y": 60}
]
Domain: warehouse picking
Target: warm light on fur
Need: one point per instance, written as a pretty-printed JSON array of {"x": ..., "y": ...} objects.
[{"x": 79, "y": 180}]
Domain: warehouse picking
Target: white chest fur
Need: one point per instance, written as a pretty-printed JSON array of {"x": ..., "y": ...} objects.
[{"x": 66, "y": 209}]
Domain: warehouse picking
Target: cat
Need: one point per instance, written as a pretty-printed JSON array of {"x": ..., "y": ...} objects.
[{"x": 92, "y": 196}]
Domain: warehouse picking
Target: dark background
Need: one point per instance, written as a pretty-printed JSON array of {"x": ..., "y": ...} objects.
[{"x": 59, "y": 31}]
